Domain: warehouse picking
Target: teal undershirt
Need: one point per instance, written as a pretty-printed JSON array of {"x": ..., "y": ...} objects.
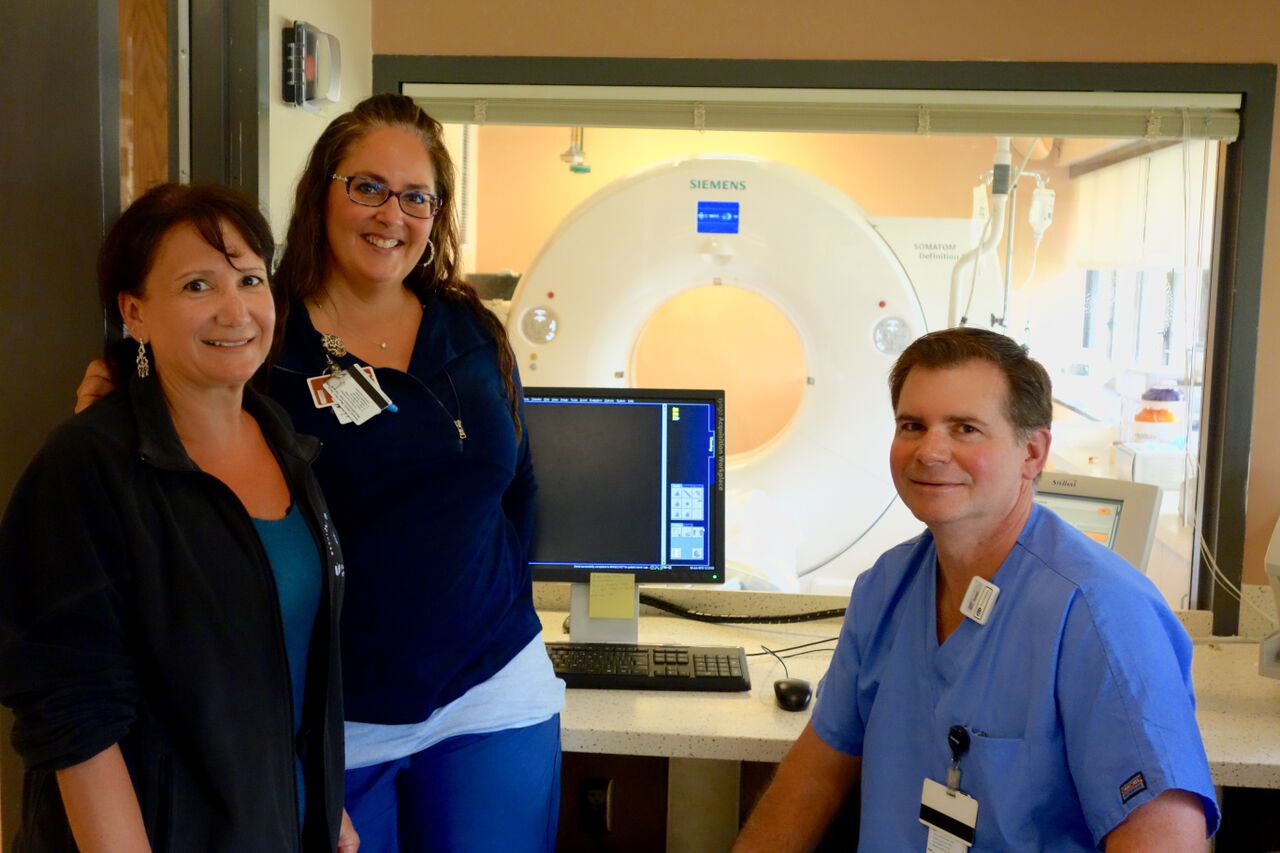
[{"x": 295, "y": 563}]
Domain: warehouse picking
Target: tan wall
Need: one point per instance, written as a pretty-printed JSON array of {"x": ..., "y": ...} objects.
[
  {"x": 294, "y": 130},
  {"x": 1234, "y": 31},
  {"x": 525, "y": 190}
]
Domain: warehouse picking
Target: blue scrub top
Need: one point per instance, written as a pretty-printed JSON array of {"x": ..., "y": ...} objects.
[{"x": 1076, "y": 693}]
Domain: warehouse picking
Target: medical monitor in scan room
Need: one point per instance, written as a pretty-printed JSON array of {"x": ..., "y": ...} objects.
[
  {"x": 1119, "y": 514},
  {"x": 630, "y": 480}
]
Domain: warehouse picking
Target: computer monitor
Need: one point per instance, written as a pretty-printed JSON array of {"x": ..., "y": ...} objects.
[
  {"x": 1119, "y": 514},
  {"x": 630, "y": 480}
]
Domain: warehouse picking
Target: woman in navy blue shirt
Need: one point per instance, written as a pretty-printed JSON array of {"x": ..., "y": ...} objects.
[{"x": 451, "y": 703}]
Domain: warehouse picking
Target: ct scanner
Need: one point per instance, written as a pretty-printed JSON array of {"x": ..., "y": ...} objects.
[{"x": 814, "y": 506}]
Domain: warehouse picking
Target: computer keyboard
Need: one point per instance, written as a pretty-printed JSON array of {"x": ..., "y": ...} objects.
[{"x": 615, "y": 666}]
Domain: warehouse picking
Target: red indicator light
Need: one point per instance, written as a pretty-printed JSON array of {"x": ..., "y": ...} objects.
[
  {"x": 551, "y": 294},
  {"x": 882, "y": 303}
]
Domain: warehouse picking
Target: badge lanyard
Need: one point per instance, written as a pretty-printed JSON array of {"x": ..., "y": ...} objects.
[{"x": 948, "y": 813}]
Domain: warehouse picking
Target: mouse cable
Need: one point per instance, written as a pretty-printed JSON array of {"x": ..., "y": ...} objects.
[
  {"x": 808, "y": 652},
  {"x": 781, "y": 619},
  {"x": 792, "y": 648},
  {"x": 785, "y": 672}
]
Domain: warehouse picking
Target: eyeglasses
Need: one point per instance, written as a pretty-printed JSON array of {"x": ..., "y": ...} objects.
[{"x": 371, "y": 192}]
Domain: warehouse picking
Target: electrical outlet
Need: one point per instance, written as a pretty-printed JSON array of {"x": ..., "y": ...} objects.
[{"x": 595, "y": 806}]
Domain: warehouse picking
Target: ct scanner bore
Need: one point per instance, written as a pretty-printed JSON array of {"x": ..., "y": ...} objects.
[
  {"x": 732, "y": 339},
  {"x": 809, "y": 499}
]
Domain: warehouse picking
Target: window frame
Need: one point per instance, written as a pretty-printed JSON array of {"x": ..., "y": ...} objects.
[{"x": 1240, "y": 210}]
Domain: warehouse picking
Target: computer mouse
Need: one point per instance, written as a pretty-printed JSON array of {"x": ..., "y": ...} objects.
[{"x": 793, "y": 694}]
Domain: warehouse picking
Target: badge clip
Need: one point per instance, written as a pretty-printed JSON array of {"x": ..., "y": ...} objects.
[{"x": 979, "y": 600}]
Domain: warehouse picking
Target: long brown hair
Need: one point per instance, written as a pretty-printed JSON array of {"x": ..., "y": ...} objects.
[{"x": 301, "y": 273}]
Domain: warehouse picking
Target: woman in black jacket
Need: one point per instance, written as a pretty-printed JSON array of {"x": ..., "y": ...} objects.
[{"x": 169, "y": 578}]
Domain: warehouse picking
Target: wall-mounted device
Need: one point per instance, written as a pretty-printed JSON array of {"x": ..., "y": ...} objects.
[{"x": 312, "y": 73}]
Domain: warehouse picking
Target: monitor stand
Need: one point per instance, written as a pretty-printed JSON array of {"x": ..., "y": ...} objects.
[{"x": 584, "y": 629}]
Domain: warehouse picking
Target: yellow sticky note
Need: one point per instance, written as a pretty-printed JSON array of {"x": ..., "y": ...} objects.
[{"x": 612, "y": 596}]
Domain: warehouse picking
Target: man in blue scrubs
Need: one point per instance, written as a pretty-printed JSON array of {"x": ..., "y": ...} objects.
[{"x": 1054, "y": 697}]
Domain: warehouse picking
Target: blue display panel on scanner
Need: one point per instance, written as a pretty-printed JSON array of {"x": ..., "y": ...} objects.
[
  {"x": 718, "y": 217},
  {"x": 629, "y": 480}
]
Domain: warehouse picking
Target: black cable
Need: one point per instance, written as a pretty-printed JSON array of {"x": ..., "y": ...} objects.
[
  {"x": 792, "y": 648},
  {"x": 783, "y": 619},
  {"x": 785, "y": 672},
  {"x": 809, "y": 652}
]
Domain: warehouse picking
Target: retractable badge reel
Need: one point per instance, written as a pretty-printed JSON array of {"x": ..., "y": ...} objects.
[{"x": 948, "y": 813}]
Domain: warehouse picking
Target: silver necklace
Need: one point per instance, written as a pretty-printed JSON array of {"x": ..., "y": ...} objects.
[{"x": 337, "y": 324}]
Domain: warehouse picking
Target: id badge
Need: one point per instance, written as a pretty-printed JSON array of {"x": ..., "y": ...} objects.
[
  {"x": 950, "y": 817},
  {"x": 322, "y": 399},
  {"x": 356, "y": 395},
  {"x": 979, "y": 600}
]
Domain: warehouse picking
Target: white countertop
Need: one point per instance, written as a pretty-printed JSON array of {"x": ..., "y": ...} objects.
[
  {"x": 736, "y": 726},
  {"x": 1238, "y": 710},
  {"x": 1239, "y": 714}
]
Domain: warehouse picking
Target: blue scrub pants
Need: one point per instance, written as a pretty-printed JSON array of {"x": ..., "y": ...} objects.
[{"x": 493, "y": 791}]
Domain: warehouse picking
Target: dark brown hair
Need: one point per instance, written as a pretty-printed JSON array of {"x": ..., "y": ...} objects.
[
  {"x": 1029, "y": 396},
  {"x": 302, "y": 268},
  {"x": 129, "y": 250}
]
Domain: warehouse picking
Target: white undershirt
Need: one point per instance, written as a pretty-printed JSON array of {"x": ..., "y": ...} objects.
[{"x": 523, "y": 693}]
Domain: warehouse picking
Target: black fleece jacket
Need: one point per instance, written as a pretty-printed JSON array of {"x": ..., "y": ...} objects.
[{"x": 138, "y": 607}]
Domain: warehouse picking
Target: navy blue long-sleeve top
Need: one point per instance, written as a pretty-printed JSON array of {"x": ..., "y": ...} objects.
[{"x": 435, "y": 529}]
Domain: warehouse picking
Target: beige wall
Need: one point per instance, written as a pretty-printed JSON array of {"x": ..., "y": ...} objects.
[
  {"x": 292, "y": 130},
  {"x": 1235, "y": 31},
  {"x": 525, "y": 190}
]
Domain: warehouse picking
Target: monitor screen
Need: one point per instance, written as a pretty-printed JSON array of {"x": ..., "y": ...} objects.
[
  {"x": 1094, "y": 517},
  {"x": 629, "y": 480},
  {"x": 1119, "y": 514}
]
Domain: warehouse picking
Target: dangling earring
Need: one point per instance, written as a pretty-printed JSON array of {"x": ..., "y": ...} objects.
[
  {"x": 144, "y": 366},
  {"x": 431, "y": 254}
]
